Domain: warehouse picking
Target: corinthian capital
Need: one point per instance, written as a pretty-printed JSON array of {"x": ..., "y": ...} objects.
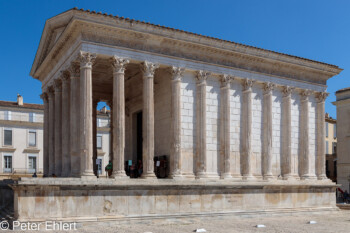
[
  {"x": 321, "y": 96},
  {"x": 119, "y": 64},
  {"x": 268, "y": 87},
  {"x": 65, "y": 74},
  {"x": 202, "y": 76},
  {"x": 57, "y": 85},
  {"x": 225, "y": 80},
  {"x": 176, "y": 73},
  {"x": 305, "y": 94},
  {"x": 87, "y": 59},
  {"x": 148, "y": 68},
  {"x": 44, "y": 96},
  {"x": 247, "y": 84},
  {"x": 287, "y": 91},
  {"x": 74, "y": 69}
]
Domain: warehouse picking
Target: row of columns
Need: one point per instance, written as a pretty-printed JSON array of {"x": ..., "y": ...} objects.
[{"x": 68, "y": 143}]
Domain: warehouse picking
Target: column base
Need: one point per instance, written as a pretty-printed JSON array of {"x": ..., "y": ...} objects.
[
  {"x": 269, "y": 177},
  {"x": 88, "y": 177},
  {"x": 148, "y": 176},
  {"x": 206, "y": 175},
  {"x": 322, "y": 177},
  {"x": 308, "y": 177},
  {"x": 248, "y": 177},
  {"x": 290, "y": 177},
  {"x": 226, "y": 176},
  {"x": 119, "y": 175},
  {"x": 177, "y": 176}
]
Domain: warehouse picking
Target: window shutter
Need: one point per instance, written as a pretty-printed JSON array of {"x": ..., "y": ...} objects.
[{"x": 32, "y": 138}]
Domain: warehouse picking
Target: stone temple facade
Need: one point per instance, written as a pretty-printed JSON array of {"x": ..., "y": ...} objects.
[{"x": 243, "y": 127}]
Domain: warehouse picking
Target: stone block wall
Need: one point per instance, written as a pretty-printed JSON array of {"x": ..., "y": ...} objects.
[
  {"x": 188, "y": 122},
  {"x": 213, "y": 121},
  {"x": 276, "y": 131},
  {"x": 295, "y": 112}
]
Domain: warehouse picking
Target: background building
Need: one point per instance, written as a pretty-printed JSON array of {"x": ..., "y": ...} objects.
[
  {"x": 21, "y": 139},
  {"x": 343, "y": 134},
  {"x": 331, "y": 147}
]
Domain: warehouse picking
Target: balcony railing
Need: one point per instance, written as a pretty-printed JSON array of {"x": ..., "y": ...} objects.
[
  {"x": 22, "y": 117},
  {"x": 19, "y": 171}
]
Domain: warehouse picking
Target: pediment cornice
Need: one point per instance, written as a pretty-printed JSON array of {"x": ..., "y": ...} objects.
[{"x": 142, "y": 38}]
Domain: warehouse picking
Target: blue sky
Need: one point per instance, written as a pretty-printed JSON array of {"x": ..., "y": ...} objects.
[{"x": 314, "y": 29}]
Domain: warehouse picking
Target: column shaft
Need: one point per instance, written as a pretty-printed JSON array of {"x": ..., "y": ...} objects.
[
  {"x": 287, "y": 169},
  {"x": 94, "y": 133},
  {"x": 320, "y": 137},
  {"x": 58, "y": 127},
  {"x": 175, "y": 156},
  {"x": 46, "y": 156},
  {"x": 201, "y": 119},
  {"x": 225, "y": 108},
  {"x": 75, "y": 120},
  {"x": 86, "y": 139},
  {"x": 148, "y": 119},
  {"x": 51, "y": 97},
  {"x": 66, "y": 163},
  {"x": 119, "y": 116},
  {"x": 267, "y": 132},
  {"x": 304, "y": 159},
  {"x": 247, "y": 129}
]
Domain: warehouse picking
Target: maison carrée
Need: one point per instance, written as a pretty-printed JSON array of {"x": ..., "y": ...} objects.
[{"x": 240, "y": 129}]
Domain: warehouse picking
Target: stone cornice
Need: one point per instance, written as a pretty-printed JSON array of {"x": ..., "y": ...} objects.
[{"x": 100, "y": 29}]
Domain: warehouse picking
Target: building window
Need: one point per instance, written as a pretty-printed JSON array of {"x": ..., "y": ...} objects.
[
  {"x": 99, "y": 165},
  {"x": 31, "y": 163},
  {"x": 8, "y": 115},
  {"x": 334, "y": 147},
  {"x": 99, "y": 141},
  {"x": 327, "y": 129},
  {"x": 335, "y": 130},
  {"x": 31, "y": 117},
  {"x": 8, "y": 137},
  {"x": 99, "y": 122},
  {"x": 32, "y": 138},
  {"x": 8, "y": 163},
  {"x": 327, "y": 146}
]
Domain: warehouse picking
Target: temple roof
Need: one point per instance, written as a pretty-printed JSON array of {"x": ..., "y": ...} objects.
[{"x": 57, "y": 29}]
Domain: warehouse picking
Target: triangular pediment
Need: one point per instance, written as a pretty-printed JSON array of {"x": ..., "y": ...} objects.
[{"x": 54, "y": 28}]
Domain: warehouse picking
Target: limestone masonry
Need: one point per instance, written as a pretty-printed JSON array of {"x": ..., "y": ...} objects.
[{"x": 242, "y": 127}]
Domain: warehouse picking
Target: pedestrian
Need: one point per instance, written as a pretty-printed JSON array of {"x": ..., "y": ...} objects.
[{"x": 109, "y": 168}]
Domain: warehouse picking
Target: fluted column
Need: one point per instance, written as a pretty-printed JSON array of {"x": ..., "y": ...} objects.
[
  {"x": 225, "y": 108},
  {"x": 94, "y": 133},
  {"x": 175, "y": 153},
  {"x": 267, "y": 131},
  {"x": 320, "y": 136},
  {"x": 58, "y": 127},
  {"x": 51, "y": 97},
  {"x": 119, "y": 116},
  {"x": 86, "y": 138},
  {"x": 287, "y": 169},
  {"x": 246, "y": 129},
  {"x": 66, "y": 163},
  {"x": 304, "y": 159},
  {"x": 46, "y": 157},
  {"x": 201, "y": 125},
  {"x": 148, "y": 119},
  {"x": 75, "y": 119},
  {"x": 110, "y": 105}
]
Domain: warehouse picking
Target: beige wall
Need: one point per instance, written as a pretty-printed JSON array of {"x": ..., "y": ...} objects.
[{"x": 343, "y": 133}]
